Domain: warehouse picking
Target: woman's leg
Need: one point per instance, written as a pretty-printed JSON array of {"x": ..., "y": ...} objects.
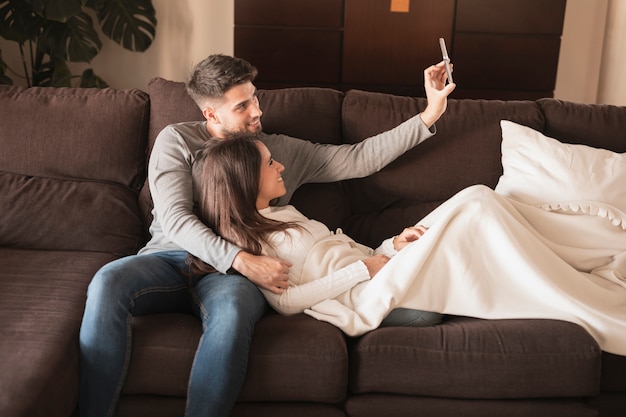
[
  {"x": 229, "y": 306},
  {"x": 407, "y": 317},
  {"x": 135, "y": 285}
]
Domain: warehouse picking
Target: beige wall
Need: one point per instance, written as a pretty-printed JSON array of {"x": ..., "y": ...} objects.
[
  {"x": 592, "y": 48},
  {"x": 187, "y": 32},
  {"x": 581, "y": 50},
  {"x": 612, "y": 85},
  {"x": 593, "y": 52}
]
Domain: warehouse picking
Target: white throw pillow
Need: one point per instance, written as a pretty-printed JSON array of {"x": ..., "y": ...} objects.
[{"x": 544, "y": 172}]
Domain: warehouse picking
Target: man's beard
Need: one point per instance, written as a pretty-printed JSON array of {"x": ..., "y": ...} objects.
[{"x": 229, "y": 133}]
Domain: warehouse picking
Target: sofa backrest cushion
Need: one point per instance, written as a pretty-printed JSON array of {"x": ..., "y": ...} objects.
[
  {"x": 169, "y": 103},
  {"x": 596, "y": 125},
  {"x": 465, "y": 151},
  {"x": 72, "y": 162}
]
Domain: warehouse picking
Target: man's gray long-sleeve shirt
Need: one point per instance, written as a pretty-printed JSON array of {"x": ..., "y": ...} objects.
[{"x": 176, "y": 227}]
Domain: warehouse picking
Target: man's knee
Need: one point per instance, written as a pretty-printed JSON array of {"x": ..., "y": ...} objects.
[{"x": 236, "y": 303}]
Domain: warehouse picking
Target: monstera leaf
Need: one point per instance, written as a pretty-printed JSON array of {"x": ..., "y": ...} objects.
[
  {"x": 74, "y": 40},
  {"x": 129, "y": 23},
  {"x": 52, "y": 33},
  {"x": 58, "y": 10}
]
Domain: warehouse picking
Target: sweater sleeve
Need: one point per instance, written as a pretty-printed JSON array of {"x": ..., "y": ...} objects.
[
  {"x": 300, "y": 297},
  {"x": 307, "y": 162},
  {"x": 386, "y": 248}
]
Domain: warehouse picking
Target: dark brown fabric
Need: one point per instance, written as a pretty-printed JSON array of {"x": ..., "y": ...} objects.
[
  {"x": 401, "y": 406},
  {"x": 613, "y": 372},
  {"x": 169, "y": 103},
  {"x": 154, "y": 406},
  {"x": 169, "y": 340},
  {"x": 609, "y": 404},
  {"x": 299, "y": 409},
  {"x": 373, "y": 227},
  {"x": 42, "y": 297},
  {"x": 285, "y": 352},
  {"x": 151, "y": 406},
  {"x": 478, "y": 359},
  {"x": 73, "y": 133},
  {"x": 145, "y": 208},
  {"x": 52, "y": 214},
  {"x": 72, "y": 162},
  {"x": 296, "y": 358},
  {"x": 326, "y": 203},
  {"x": 305, "y": 113},
  {"x": 597, "y": 125}
]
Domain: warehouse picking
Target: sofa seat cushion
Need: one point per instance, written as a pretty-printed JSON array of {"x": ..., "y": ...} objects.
[
  {"x": 42, "y": 297},
  {"x": 285, "y": 352},
  {"x": 375, "y": 405},
  {"x": 479, "y": 359},
  {"x": 155, "y": 406},
  {"x": 613, "y": 371}
]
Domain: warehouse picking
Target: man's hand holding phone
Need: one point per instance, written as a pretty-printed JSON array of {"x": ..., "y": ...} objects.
[
  {"x": 446, "y": 59},
  {"x": 437, "y": 91}
]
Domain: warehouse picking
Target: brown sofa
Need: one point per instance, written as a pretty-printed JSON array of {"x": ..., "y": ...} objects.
[{"x": 72, "y": 197}]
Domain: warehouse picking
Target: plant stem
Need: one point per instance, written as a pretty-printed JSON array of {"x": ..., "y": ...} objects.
[{"x": 28, "y": 83}]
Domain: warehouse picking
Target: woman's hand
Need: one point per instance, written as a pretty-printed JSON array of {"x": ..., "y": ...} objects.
[
  {"x": 375, "y": 263},
  {"x": 408, "y": 235}
]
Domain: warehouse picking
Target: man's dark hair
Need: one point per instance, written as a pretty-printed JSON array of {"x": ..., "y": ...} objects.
[{"x": 214, "y": 75}]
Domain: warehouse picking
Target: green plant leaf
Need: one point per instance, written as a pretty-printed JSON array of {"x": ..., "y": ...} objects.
[
  {"x": 18, "y": 23},
  {"x": 75, "y": 40},
  {"x": 56, "y": 31},
  {"x": 61, "y": 74},
  {"x": 130, "y": 23},
  {"x": 90, "y": 79},
  {"x": 42, "y": 75},
  {"x": 57, "y": 10}
]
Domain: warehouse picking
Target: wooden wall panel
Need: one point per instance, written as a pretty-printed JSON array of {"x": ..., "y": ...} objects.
[
  {"x": 299, "y": 13},
  {"x": 383, "y": 49},
  {"x": 290, "y": 57},
  {"x": 502, "y": 62},
  {"x": 538, "y": 17},
  {"x": 507, "y": 48},
  {"x": 501, "y": 49}
]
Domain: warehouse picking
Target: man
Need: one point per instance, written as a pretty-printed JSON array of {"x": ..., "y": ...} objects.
[{"x": 228, "y": 302}]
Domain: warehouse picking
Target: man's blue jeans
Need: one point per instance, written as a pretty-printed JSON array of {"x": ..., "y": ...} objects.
[{"x": 228, "y": 305}]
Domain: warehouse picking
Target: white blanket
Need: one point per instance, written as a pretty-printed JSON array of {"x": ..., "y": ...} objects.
[{"x": 490, "y": 257}]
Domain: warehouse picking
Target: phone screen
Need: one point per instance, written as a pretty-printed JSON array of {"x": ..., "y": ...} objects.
[{"x": 446, "y": 59}]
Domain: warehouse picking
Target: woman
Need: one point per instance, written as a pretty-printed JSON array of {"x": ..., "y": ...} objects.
[
  {"x": 238, "y": 180},
  {"x": 520, "y": 269}
]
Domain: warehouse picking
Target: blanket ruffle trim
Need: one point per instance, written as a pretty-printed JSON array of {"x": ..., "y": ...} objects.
[{"x": 592, "y": 208}]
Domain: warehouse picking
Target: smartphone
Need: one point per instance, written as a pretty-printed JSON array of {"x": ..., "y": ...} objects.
[{"x": 446, "y": 58}]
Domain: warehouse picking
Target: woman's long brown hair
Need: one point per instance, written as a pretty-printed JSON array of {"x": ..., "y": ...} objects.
[{"x": 228, "y": 171}]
